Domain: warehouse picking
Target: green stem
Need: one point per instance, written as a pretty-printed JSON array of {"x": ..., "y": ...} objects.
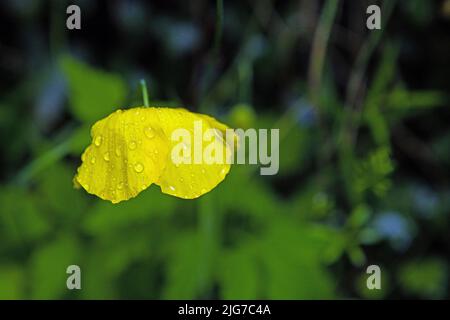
[
  {"x": 44, "y": 161},
  {"x": 144, "y": 92},
  {"x": 319, "y": 49}
]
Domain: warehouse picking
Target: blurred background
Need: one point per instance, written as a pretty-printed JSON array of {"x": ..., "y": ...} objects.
[{"x": 364, "y": 149}]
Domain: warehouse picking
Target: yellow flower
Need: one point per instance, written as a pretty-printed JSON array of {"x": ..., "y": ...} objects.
[{"x": 131, "y": 149}]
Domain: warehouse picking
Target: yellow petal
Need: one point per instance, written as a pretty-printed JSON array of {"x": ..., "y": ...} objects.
[
  {"x": 128, "y": 153},
  {"x": 190, "y": 181}
]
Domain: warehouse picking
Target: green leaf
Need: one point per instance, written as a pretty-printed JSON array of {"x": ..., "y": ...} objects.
[
  {"x": 56, "y": 188},
  {"x": 114, "y": 254},
  {"x": 12, "y": 282},
  {"x": 426, "y": 278},
  {"x": 293, "y": 263},
  {"x": 20, "y": 217},
  {"x": 402, "y": 101},
  {"x": 359, "y": 216},
  {"x": 48, "y": 267},
  {"x": 373, "y": 113},
  {"x": 239, "y": 276},
  {"x": 106, "y": 217},
  {"x": 93, "y": 93},
  {"x": 184, "y": 271},
  {"x": 80, "y": 139},
  {"x": 373, "y": 173}
]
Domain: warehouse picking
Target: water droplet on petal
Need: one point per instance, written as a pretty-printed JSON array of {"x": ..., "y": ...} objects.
[
  {"x": 149, "y": 132},
  {"x": 93, "y": 160},
  {"x": 98, "y": 141},
  {"x": 120, "y": 186},
  {"x": 118, "y": 152},
  {"x": 203, "y": 170},
  {"x": 203, "y": 190},
  {"x": 172, "y": 188},
  {"x": 132, "y": 145},
  {"x": 86, "y": 187},
  {"x": 138, "y": 167},
  {"x": 181, "y": 180},
  {"x": 106, "y": 156}
]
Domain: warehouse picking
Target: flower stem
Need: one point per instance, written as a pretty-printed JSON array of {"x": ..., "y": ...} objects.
[{"x": 144, "y": 92}]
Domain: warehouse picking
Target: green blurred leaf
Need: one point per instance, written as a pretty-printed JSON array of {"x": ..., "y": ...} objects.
[
  {"x": 56, "y": 192},
  {"x": 114, "y": 254},
  {"x": 20, "y": 217},
  {"x": 359, "y": 216},
  {"x": 80, "y": 139},
  {"x": 373, "y": 173},
  {"x": 93, "y": 93},
  {"x": 402, "y": 102},
  {"x": 184, "y": 269},
  {"x": 426, "y": 278},
  {"x": 106, "y": 217},
  {"x": 292, "y": 260},
  {"x": 374, "y": 115},
  {"x": 48, "y": 267},
  {"x": 12, "y": 282},
  {"x": 239, "y": 276}
]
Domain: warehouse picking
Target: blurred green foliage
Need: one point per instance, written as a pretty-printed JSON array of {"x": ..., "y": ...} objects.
[{"x": 345, "y": 196}]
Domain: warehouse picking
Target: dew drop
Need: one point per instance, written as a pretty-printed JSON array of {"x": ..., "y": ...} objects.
[
  {"x": 149, "y": 132},
  {"x": 132, "y": 145},
  {"x": 118, "y": 152},
  {"x": 172, "y": 188},
  {"x": 181, "y": 180},
  {"x": 98, "y": 141},
  {"x": 203, "y": 170},
  {"x": 106, "y": 156},
  {"x": 93, "y": 160},
  {"x": 86, "y": 187},
  {"x": 120, "y": 186},
  {"x": 138, "y": 167}
]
